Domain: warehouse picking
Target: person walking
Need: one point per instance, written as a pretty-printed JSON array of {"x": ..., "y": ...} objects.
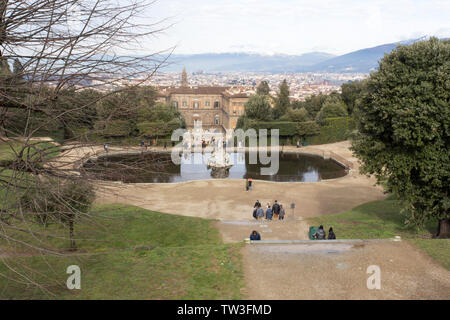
[
  {"x": 276, "y": 210},
  {"x": 269, "y": 213},
  {"x": 250, "y": 183},
  {"x": 282, "y": 213},
  {"x": 260, "y": 212},
  {"x": 331, "y": 235},
  {"x": 257, "y": 204},
  {"x": 105, "y": 146}
]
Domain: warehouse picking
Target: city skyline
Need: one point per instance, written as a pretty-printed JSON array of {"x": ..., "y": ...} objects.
[{"x": 294, "y": 26}]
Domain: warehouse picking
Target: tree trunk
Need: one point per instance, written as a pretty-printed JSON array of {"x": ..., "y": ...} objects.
[
  {"x": 443, "y": 229},
  {"x": 72, "y": 241}
]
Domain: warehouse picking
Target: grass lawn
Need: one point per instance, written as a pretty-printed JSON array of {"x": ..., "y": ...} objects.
[
  {"x": 132, "y": 253},
  {"x": 380, "y": 220}
]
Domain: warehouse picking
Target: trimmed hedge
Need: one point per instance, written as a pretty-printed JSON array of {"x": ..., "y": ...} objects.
[
  {"x": 114, "y": 128},
  {"x": 287, "y": 128},
  {"x": 158, "y": 128},
  {"x": 336, "y": 129}
]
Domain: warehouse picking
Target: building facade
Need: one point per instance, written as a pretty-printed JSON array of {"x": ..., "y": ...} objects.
[{"x": 212, "y": 108}]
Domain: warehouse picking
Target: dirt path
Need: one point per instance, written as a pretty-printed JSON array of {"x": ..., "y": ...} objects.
[{"x": 338, "y": 271}]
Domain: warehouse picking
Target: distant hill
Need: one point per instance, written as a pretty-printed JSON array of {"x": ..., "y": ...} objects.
[
  {"x": 216, "y": 62},
  {"x": 364, "y": 60}
]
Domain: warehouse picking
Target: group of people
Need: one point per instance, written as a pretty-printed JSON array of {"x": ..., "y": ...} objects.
[
  {"x": 275, "y": 212},
  {"x": 321, "y": 235}
]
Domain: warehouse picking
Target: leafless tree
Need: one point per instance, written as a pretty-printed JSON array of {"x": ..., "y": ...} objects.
[{"x": 60, "y": 50}]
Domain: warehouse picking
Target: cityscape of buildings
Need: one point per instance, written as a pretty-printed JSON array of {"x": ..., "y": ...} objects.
[{"x": 301, "y": 85}]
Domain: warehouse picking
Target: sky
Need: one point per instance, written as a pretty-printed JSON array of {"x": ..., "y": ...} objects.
[{"x": 293, "y": 26}]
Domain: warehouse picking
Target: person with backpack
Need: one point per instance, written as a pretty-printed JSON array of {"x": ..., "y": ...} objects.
[
  {"x": 319, "y": 234},
  {"x": 276, "y": 210},
  {"x": 269, "y": 213},
  {"x": 331, "y": 235}
]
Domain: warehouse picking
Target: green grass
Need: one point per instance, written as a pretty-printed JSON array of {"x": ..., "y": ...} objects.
[
  {"x": 134, "y": 253},
  {"x": 382, "y": 220},
  {"x": 8, "y": 151}
]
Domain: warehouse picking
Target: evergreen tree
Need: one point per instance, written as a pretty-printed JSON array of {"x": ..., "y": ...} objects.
[
  {"x": 404, "y": 129},
  {"x": 282, "y": 101},
  {"x": 263, "y": 88}
]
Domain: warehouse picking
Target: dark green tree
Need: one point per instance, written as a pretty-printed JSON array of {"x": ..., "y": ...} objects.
[
  {"x": 331, "y": 109},
  {"x": 258, "y": 108},
  {"x": 351, "y": 92},
  {"x": 404, "y": 130},
  {"x": 263, "y": 88},
  {"x": 282, "y": 101}
]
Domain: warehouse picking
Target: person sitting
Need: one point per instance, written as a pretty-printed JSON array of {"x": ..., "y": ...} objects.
[
  {"x": 331, "y": 235},
  {"x": 269, "y": 213},
  {"x": 255, "y": 236},
  {"x": 319, "y": 234}
]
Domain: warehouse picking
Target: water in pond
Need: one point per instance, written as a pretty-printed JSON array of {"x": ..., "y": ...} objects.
[{"x": 158, "y": 168}]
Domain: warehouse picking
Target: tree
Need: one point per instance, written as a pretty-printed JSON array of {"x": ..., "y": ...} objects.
[
  {"x": 404, "y": 130},
  {"x": 263, "y": 88},
  {"x": 70, "y": 56},
  {"x": 297, "y": 115},
  {"x": 331, "y": 109},
  {"x": 351, "y": 91},
  {"x": 282, "y": 101},
  {"x": 258, "y": 108}
]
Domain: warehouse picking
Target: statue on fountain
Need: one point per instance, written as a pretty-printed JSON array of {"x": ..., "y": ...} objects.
[{"x": 219, "y": 162}]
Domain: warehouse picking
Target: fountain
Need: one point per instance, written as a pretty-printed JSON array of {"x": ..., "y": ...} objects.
[{"x": 219, "y": 162}]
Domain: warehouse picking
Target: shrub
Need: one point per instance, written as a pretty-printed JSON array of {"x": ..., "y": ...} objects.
[
  {"x": 336, "y": 129},
  {"x": 158, "y": 128}
]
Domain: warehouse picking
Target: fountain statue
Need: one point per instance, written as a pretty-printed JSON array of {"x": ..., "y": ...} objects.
[{"x": 219, "y": 162}]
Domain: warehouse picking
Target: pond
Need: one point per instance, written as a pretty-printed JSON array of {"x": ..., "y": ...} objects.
[{"x": 153, "y": 167}]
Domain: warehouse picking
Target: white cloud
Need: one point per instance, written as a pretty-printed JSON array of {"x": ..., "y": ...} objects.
[{"x": 297, "y": 26}]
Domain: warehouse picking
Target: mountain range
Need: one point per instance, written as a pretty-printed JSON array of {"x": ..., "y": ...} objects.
[{"x": 364, "y": 60}]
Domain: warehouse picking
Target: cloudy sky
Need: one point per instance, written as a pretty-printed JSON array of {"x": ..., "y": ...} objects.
[{"x": 295, "y": 26}]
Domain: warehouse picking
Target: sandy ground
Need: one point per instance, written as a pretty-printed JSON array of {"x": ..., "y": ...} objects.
[
  {"x": 228, "y": 200},
  {"x": 339, "y": 271}
]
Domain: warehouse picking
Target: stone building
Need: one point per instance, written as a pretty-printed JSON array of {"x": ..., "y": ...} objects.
[{"x": 214, "y": 108}]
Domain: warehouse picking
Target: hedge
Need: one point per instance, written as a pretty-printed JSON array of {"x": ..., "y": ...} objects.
[
  {"x": 336, "y": 129},
  {"x": 114, "y": 128},
  {"x": 158, "y": 128}
]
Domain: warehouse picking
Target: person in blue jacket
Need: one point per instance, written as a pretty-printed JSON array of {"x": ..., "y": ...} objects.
[{"x": 255, "y": 235}]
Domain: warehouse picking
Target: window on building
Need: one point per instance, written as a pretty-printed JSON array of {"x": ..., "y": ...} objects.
[
  {"x": 217, "y": 120},
  {"x": 175, "y": 104},
  {"x": 216, "y": 105},
  {"x": 234, "y": 111},
  {"x": 196, "y": 104},
  {"x": 207, "y": 103},
  {"x": 184, "y": 103}
]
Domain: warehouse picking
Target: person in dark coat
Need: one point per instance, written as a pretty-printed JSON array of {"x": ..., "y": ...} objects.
[
  {"x": 255, "y": 235},
  {"x": 257, "y": 204},
  {"x": 320, "y": 234},
  {"x": 331, "y": 235},
  {"x": 276, "y": 210}
]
